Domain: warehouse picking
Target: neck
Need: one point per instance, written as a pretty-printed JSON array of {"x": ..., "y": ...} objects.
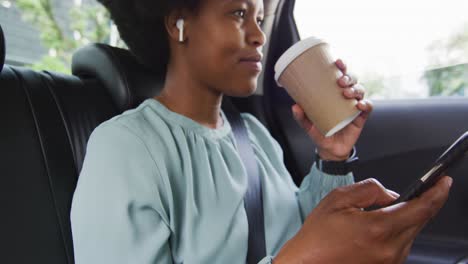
[{"x": 187, "y": 96}]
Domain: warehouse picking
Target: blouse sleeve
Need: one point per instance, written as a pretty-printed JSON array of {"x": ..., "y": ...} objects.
[
  {"x": 315, "y": 185},
  {"x": 118, "y": 211}
]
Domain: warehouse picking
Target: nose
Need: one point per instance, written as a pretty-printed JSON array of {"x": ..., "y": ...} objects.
[{"x": 255, "y": 35}]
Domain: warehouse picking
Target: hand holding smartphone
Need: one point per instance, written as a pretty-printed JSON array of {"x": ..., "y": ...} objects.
[{"x": 448, "y": 159}]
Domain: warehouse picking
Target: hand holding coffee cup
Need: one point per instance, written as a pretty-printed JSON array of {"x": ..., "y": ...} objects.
[{"x": 330, "y": 105}]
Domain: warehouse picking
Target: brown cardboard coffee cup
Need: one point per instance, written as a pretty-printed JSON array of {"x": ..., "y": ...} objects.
[{"x": 309, "y": 74}]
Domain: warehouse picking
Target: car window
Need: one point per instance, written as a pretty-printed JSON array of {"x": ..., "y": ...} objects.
[
  {"x": 44, "y": 34},
  {"x": 398, "y": 49}
]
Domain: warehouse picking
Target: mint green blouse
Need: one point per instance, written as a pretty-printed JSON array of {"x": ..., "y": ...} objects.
[{"x": 158, "y": 187}]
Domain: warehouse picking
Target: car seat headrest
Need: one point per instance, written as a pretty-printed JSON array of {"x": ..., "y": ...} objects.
[
  {"x": 2, "y": 49},
  {"x": 127, "y": 81}
]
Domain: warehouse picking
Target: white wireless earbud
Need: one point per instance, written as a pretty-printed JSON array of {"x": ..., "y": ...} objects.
[{"x": 180, "y": 26}]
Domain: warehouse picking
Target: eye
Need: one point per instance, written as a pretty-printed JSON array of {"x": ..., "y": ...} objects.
[
  {"x": 240, "y": 13},
  {"x": 260, "y": 21}
]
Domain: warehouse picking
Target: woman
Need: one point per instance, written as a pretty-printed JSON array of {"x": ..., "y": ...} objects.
[{"x": 163, "y": 183}]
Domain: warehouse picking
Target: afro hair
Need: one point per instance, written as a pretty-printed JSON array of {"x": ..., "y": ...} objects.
[{"x": 141, "y": 26}]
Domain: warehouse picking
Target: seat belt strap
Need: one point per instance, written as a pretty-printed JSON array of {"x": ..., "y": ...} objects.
[{"x": 253, "y": 200}]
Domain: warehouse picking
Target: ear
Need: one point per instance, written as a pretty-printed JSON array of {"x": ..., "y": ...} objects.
[{"x": 172, "y": 29}]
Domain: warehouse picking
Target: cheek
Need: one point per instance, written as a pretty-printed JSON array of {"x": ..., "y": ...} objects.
[
  {"x": 214, "y": 56},
  {"x": 217, "y": 46},
  {"x": 215, "y": 59},
  {"x": 221, "y": 52}
]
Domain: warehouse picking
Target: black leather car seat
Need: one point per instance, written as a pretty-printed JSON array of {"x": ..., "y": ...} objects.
[
  {"x": 43, "y": 141},
  {"x": 46, "y": 121},
  {"x": 45, "y": 125},
  {"x": 126, "y": 81},
  {"x": 2, "y": 49}
]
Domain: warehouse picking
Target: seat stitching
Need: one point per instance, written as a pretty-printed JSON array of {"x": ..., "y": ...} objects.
[
  {"x": 62, "y": 114},
  {"x": 44, "y": 155}
]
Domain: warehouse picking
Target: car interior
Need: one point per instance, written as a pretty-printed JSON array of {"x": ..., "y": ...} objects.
[{"x": 47, "y": 118}]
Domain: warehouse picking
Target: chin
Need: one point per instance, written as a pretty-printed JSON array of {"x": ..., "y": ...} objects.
[{"x": 242, "y": 90}]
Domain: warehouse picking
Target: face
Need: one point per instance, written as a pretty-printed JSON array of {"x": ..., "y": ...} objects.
[{"x": 224, "y": 43}]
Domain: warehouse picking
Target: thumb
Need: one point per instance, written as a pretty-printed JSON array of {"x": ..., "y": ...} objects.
[
  {"x": 305, "y": 123},
  {"x": 366, "y": 193}
]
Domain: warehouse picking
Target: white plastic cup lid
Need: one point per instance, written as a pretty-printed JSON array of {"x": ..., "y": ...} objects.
[{"x": 292, "y": 53}]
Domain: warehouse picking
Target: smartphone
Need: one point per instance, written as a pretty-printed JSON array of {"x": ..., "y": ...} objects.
[{"x": 448, "y": 159}]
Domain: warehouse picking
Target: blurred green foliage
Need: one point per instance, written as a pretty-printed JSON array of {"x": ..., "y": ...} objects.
[
  {"x": 448, "y": 81},
  {"x": 447, "y": 74},
  {"x": 86, "y": 23},
  {"x": 449, "y": 77}
]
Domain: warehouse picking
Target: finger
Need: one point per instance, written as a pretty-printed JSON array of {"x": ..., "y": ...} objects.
[
  {"x": 415, "y": 213},
  {"x": 349, "y": 93},
  {"x": 366, "y": 107},
  {"x": 361, "y": 89},
  {"x": 305, "y": 123},
  {"x": 346, "y": 81},
  {"x": 361, "y": 120},
  {"x": 298, "y": 113},
  {"x": 353, "y": 77},
  {"x": 341, "y": 65},
  {"x": 301, "y": 117},
  {"x": 406, "y": 220},
  {"x": 365, "y": 194},
  {"x": 354, "y": 93}
]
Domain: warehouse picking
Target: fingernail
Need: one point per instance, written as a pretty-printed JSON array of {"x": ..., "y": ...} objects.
[
  {"x": 449, "y": 182},
  {"x": 346, "y": 79},
  {"x": 394, "y": 194},
  {"x": 294, "y": 114},
  {"x": 362, "y": 103}
]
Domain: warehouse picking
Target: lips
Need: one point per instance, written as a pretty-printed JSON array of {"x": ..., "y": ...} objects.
[
  {"x": 252, "y": 61},
  {"x": 256, "y": 57}
]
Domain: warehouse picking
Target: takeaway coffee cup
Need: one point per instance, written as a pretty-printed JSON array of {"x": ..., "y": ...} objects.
[{"x": 309, "y": 74}]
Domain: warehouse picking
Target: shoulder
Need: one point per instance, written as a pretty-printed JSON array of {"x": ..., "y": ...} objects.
[
  {"x": 115, "y": 145},
  {"x": 128, "y": 137},
  {"x": 132, "y": 126},
  {"x": 119, "y": 156},
  {"x": 136, "y": 121}
]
